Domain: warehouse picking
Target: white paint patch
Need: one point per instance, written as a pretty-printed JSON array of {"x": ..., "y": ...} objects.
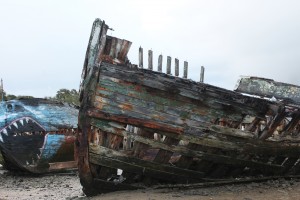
[
  {"x": 4, "y": 131},
  {"x": 119, "y": 172},
  {"x": 16, "y": 125}
]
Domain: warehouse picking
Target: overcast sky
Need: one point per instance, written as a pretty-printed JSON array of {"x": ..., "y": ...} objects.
[{"x": 43, "y": 42}]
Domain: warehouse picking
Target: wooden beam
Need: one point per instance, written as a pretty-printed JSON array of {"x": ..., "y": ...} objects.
[
  {"x": 160, "y": 60},
  {"x": 115, "y": 159},
  {"x": 228, "y": 100},
  {"x": 244, "y": 146},
  {"x": 150, "y": 60},
  {"x": 185, "y": 70},
  {"x": 141, "y": 57},
  {"x": 169, "y": 64},
  {"x": 202, "y": 75},
  {"x": 176, "y": 67}
]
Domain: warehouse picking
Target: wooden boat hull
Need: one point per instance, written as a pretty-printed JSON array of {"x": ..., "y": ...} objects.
[
  {"x": 138, "y": 127},
  {"x": 38, "y": 135}
]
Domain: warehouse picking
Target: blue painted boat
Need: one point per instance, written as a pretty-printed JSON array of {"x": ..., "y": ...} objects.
[{"x": 37, "y": 135}]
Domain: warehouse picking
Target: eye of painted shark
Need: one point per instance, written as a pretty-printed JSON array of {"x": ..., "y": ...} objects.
[{"x": 9, "y": 107}]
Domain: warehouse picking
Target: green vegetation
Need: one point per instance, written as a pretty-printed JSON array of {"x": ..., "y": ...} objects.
[
  {"x": 63, "y": 95},
  {"x": 68, "y": 96}
]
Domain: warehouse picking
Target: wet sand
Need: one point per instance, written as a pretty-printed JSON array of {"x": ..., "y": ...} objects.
[{"x": 67, "y": 186}]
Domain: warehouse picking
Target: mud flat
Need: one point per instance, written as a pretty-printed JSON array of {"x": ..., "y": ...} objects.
[
  {"x": 50, "y": 186},
  {"x": 67, "y": 186}
]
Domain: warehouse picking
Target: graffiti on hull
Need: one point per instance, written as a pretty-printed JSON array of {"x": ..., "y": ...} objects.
[{"x": 36, "y": 132}]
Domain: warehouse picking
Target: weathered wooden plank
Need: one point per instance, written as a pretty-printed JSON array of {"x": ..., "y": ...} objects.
[
  {"x": 292, "y": 124},
  {"x": 246, "y": 146},
  {"x": 253, "y": 126},
  {"x": 184, "y": 151},
  {"x": 203, "y": 110},
  {"x": 141, "y": 57},
  {"x": 136, "y": 118},
  {"x": 136, "y": 113},
  {"x": 176, "y": 67},
  {"x": 217, "y": 158},
  {"x": 269, "y": 88},
  {"x": 181, "y": 150},
  {"x": 160, "y": 60},
  {"x": 93, "y": 113},
  {"x": 140, "y": 149},
  {"x": 92, "y": 52},
  {"x": 168, "y": 65},
  {"x": 164, "y": 155},
  {"x": 182, "y": 112},
  {"x": 125, "y": 108},
  {"x": 150, "y": 60},
  {"x": 62, "y": 165},
  {"x": 103, "y": 156},
  {"x": 185, "y": 69},
  {"x": 176, "y": 86},
  {"x": 202, "y": 75},
  {"x": 269, "y": 130},
  {"x": 186, "y": 160}
]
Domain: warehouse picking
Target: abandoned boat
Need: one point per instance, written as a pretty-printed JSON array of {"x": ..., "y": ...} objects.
[
  {"x": 37, "y": 135},
  {"x": 139, "y": 127}
]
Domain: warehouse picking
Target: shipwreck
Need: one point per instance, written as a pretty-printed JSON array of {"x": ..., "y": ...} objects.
[
  {"x": 140, "y": 128},
  {"x": 37, "y": 135}
]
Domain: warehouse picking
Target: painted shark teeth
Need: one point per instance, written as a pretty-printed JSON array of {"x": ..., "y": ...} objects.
[
  {"x": 16, "y": 125},
  {"x": 4, "y": 131},
  {"x": 1, "y": 139},
  {"x": 22, "y": 122}
]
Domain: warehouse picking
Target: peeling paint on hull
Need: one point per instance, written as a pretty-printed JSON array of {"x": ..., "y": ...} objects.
[
  {"x": 156, "y": 128},
  {"x": 36, "y": 133}
]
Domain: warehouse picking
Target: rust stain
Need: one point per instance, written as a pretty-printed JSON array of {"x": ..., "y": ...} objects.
[
  {"x": 138, "y": 88},
  {"x": 126, "y": 106},
  {"x": 158, "y": 117},
  {"x": 101, "y": 88}
]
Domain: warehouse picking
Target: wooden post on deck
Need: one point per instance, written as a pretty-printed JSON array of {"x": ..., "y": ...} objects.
[
  {"x": 169, "y": 64},
  {"x": 176, "y": 67},
  {"x": 185, "y": 71},
  {"x": 150, "y": 59},
  {"x": 202, "y": 75},
  {"x": 140, "y": 57},
  {"x": 160, "y": 59}
]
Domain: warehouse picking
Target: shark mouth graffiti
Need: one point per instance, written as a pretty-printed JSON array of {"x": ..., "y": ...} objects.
[
  {"x": 21, "y": 126},
  {"x": 23, "y": 139}
]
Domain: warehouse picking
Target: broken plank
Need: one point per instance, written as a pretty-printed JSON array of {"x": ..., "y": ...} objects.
[
  {"x": 111, "y": 158},
  {"x": 254, "y": 146}
]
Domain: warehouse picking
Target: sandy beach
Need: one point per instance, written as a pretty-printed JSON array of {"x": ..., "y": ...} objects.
[{"x": 67, "y": 186}]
